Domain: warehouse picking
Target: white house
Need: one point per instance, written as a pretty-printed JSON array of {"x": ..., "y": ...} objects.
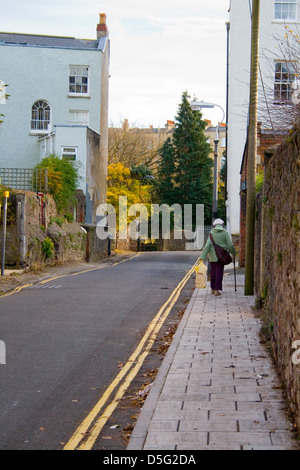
[
  {"x": 277, "y": 68},
  {"x": 58, "y": 102}
]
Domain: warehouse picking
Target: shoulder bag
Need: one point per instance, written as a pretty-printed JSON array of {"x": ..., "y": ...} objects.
[{"x": 223, "y": 255}]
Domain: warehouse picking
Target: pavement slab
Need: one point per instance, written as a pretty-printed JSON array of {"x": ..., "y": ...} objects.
[{"x": 217, "y": 387}]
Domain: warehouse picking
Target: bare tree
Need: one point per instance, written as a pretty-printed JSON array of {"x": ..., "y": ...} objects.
[
  {"x": 279, "y": 94},
  {"x": 134, "y": 146}
]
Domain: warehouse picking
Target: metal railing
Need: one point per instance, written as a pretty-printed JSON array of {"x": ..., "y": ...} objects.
[{"x": 25, "y": 179}]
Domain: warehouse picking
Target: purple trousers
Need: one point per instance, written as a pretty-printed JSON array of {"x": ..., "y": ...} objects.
[{"x": 216, "y": 276}]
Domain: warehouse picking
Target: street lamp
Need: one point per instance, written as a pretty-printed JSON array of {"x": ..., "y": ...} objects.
[{"x": 198, "y": 105}]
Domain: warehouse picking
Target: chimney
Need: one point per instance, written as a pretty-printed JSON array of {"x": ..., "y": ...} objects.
[{"x": 102, "y": 29}]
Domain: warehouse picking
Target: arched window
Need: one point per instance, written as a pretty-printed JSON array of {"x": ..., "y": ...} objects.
[{"x": 40, "y": 116}]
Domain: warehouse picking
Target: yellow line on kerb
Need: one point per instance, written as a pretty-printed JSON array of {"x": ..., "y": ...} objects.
[
  {"x": 89, "y": 270},
  {"x": 137, "y": 359},
  {"x": 18, "y": 289}
]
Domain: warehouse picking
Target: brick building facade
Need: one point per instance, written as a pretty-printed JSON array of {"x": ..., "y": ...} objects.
[{"x": 265, "y": 139}]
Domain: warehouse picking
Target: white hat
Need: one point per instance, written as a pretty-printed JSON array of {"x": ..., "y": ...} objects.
[{"x": 218, "y": 222}]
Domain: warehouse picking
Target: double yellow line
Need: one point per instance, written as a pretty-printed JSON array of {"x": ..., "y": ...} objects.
[
  {"x": 87, "y": 432},
  {"x": 90, "y": 428}
]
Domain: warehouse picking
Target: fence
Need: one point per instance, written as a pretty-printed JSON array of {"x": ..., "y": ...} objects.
[
  {"x": 25, "y": 179},
  {"x": 171, "y": 244}
]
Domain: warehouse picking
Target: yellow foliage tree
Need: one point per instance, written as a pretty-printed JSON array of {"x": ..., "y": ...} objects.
[{"x": 121, "y": 183}]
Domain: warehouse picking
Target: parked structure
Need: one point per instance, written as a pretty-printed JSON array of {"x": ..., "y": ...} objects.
[
  {"x": 58, "y": 103},
  {"x": 276, "y": 80}
]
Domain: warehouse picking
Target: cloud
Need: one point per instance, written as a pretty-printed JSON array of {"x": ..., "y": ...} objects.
[{"x": 188, "y": 27}]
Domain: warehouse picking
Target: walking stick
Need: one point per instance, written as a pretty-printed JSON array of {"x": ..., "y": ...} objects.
[{"x": 234, "y": 273}]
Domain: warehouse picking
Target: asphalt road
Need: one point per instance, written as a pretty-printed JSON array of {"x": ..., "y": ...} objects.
[{"x": 67, "y": 339}]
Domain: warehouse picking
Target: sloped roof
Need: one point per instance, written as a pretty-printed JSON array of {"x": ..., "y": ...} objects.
[{"x": 33, "y": 40}]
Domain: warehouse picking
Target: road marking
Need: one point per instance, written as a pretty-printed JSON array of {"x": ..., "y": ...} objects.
[
  {"x": 52, "y": 286},
  {"x": 90, "y": 269},
  {"x": 91, "y": 426},
  {"x": 18, "y": 289}
]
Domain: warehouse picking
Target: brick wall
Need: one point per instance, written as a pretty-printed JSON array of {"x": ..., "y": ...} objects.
[{"x": 265, "y": 140}]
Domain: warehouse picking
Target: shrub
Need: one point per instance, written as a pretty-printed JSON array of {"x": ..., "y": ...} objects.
[
  {"x": 48, "y": 248},
  {"x": 63, "y": 178}
]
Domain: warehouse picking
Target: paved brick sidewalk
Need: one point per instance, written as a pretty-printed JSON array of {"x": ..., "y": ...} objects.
[{"x": 217, "y": 387}]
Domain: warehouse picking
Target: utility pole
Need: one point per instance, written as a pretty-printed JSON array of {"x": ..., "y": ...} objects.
[
  {"x": 252, "y": 151},
  {"x": 6, "y": 196}
]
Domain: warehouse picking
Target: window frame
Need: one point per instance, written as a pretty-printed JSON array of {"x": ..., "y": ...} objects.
[
  {"x": 69, "y": 150},
  {"x": 43, "y": 115},
  {"x": 284, "y": 86},
  {"x": 79, "y": 83},
  {"x": 76, "y": 120},
  {"x": 283, "y": 19}
]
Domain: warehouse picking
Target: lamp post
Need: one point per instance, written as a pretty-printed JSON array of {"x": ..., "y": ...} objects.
[{"x": 198, "y": 105}]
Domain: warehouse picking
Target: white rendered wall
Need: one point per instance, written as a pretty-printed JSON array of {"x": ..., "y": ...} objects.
[
  {"x": 239, "y": 86},
  {"x": 239, "y": 59},
  {"x": 40, "y": 73}
]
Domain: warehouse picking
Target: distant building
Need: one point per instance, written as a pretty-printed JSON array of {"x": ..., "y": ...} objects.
[
  {"x": 58, "y": 103},
  {"x": 276, "y": 79}
]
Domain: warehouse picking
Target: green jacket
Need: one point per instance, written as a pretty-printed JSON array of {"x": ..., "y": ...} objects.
[{"x": 221, "y": 238}]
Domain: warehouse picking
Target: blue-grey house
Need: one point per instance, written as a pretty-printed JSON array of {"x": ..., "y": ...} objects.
[{"x": 58, "y": 102}]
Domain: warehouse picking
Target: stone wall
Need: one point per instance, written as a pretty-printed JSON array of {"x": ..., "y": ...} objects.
[
  {"x": 33, "y": 218},
  {"x": 277, "y": 263},
  {"x": 95, "y": 248}
]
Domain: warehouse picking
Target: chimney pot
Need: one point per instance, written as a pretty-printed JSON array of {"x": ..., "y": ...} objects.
[{"x": 102, "y": 29}]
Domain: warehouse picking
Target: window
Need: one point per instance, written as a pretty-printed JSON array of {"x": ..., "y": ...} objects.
[
  {"x": 79, "y": 117},
  {"x": 40, "y": 117},
  {"x": 286, "y": 9},
  {"x": 79, "y": 80},
  {"x": 69, "y": 153},
  {"x": 284, "y": 78}
]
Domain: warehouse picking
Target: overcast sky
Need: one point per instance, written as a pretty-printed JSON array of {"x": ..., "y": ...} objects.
[{"x": 159, "y": 49}]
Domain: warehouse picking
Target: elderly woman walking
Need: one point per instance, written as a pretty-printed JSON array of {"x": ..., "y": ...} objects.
[{"x": 221, "y": 238}]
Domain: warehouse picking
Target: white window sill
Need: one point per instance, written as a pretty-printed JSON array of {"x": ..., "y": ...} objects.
[
  {"x": 285, "y": 22},
  {"x": 78, "y": 95},
  {"x": 39, "y": 132}
]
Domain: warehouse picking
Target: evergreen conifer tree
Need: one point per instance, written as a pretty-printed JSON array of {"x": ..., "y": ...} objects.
[
  {"x": 185, "y": 171},
  {"x": 193, "y": 169},
  {"x": 164, "y": 184}
]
